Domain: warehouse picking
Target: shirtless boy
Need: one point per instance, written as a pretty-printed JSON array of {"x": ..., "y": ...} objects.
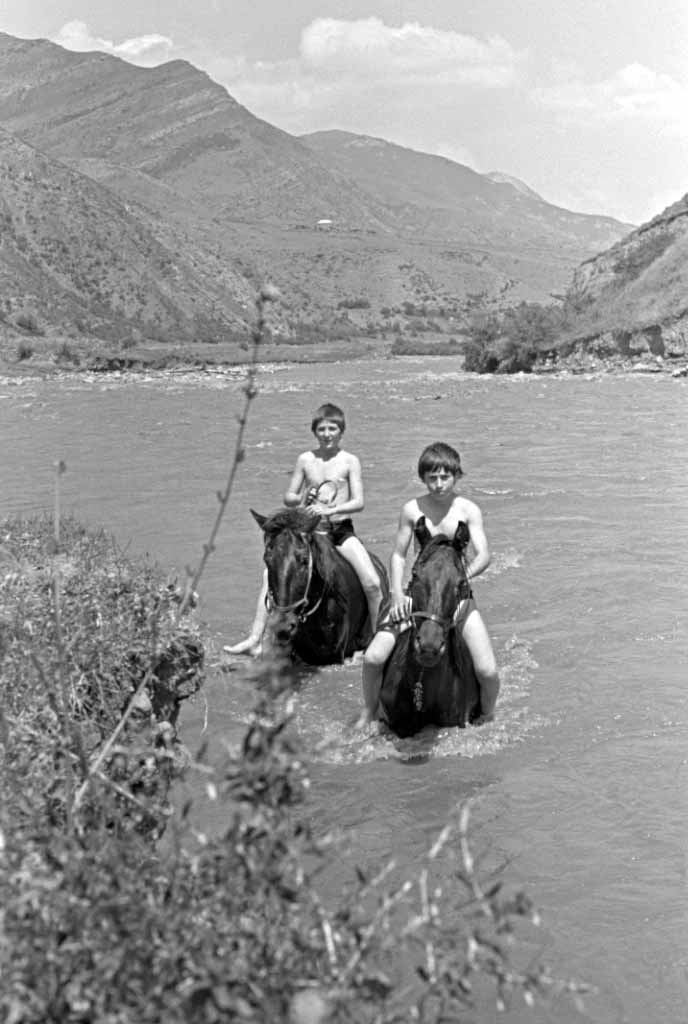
[
  {"x": 439, "y": 467},
  {"x": 326, "y": 464}
]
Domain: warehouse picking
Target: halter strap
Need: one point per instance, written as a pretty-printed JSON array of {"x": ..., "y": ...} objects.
[
  {"x": 302, "y": 600},
  {"x": 446, "y": 624}
]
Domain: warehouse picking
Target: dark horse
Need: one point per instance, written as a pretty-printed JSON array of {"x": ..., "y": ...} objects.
[
  {"x": 317, "y": 606},
  {"x": 429, "y": 678}
]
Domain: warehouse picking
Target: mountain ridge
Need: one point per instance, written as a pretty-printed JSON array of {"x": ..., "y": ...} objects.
[{"x": 231, "y": 200}]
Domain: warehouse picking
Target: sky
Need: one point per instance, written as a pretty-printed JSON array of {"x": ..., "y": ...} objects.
[{"x": 586, "y": 101}]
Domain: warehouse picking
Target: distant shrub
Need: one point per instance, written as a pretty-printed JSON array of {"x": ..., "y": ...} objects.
[
  {"x": 353, "y": 304},
  {"x": 28, "y": 322},
  {"x": 513, "y": 341},
  {"x": 24, "y": 351},
  {"x": 66, "y": 354},
  {"x": 412, "y": 347}
]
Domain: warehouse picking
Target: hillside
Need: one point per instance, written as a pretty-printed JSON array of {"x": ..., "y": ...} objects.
[
  {"x": 435, "y": 196},
  {"x": 72, "y": 255},
  {"x": 633, "y": 298},
  {"x": 193, "y": 201}
]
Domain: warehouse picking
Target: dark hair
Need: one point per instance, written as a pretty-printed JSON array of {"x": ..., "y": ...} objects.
[
  {"x": 439, "y": 455},
  {"x": 328, "y": 412}
]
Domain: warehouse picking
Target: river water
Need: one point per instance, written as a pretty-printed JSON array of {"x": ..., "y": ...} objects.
[{"x": 581, "y": 780}]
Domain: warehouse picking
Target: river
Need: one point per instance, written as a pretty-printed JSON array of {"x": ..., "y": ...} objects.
[{"x": 580, "y": 782}]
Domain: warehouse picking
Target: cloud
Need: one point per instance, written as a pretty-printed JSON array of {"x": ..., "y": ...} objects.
[
  {"x": 366, "y": 76},
  {"x": 633, "y": 92},
  {"x": 333, "y": 47},
  {"x": 147, "y": 50}
]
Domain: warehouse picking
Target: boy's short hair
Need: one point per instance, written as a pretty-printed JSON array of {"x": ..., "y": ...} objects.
[
  {"x": 328, "y": 412},
  {"x": 439, "y": 455}
]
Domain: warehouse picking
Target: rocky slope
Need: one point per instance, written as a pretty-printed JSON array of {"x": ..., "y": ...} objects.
[
  {"x": 73, "y": 255},
  {"x": 632, "y": 299}
]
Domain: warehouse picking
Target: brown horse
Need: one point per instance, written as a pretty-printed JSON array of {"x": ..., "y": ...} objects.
[
  {"x": 318, "y": 609},
  {"x": 429, "y": 678}
]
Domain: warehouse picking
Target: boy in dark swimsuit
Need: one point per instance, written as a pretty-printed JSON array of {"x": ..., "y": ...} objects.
[
  {"x": 327, "y": 480},
  {"x": 445, "y": 511}
]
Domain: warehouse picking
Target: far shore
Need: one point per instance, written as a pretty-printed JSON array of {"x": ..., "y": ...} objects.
[{"x": 57, "y": 357}]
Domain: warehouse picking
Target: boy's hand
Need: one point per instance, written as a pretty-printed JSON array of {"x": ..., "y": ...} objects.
[
  {"x": 318, "y": 509},
  {"x": 401, "y": 609}
]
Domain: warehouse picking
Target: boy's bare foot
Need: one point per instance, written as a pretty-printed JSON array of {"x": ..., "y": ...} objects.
[{"x": 250, "y": 646}]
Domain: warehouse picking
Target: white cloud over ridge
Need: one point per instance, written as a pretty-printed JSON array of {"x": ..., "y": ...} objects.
[
  {"x": 634, "y": 91},
  {"x": 368, "y": 46},
  {"x": 147, "y": 50}
]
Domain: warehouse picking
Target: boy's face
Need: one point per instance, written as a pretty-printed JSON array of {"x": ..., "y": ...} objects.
[
  {"x": 439, "y": 482},
  {"x": 328, "y": 434}
]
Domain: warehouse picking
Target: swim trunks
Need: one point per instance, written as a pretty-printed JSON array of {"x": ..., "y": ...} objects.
[{"x": 341, "y": 531}]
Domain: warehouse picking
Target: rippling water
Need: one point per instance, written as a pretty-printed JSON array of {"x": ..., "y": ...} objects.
[{"x": 581, "y": 779}]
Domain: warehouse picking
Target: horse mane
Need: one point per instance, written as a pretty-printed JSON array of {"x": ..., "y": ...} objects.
[
  {"x": 298, "y": 520},
  {"x": 326, "y": 565}
]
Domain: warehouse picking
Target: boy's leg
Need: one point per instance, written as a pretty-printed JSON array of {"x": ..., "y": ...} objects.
[
  {"x": 478, "y": 642},
  {"x": 362, "y": 564},
  {"x": 253, "y": 643},
  {"x": 376, "y": 654}
]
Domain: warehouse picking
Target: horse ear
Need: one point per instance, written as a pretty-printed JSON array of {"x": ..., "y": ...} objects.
[
  {"x": 261, "y": 520},
  {"x": 422, "y": 533}
]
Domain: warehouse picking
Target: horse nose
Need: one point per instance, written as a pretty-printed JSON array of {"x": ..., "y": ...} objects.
[
  {"x": 284, "y": 629},
  {"x": 429, "y": 645}
]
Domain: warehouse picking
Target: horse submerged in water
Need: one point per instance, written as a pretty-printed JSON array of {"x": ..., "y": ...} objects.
[
  {"x": 318, "y": 609},
  {"x": 429, "y": 677}
]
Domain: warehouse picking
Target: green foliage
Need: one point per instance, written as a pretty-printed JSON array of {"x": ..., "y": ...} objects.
[
  {"x": 28, "y": 322},
  {"x": 102, "y": 925},
  {"x": 80, "y": 630},
  {"x": 638, "y": 257},
  {"x": 24, "y": 351},
  {"x": 411, "y": 347},
  {"x": 513, "y": 341},
  {"x": 66, "y": 354}
]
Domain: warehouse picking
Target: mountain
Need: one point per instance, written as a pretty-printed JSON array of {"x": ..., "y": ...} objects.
[
  {"x": 173, "y": 124},
  {"x": 205, "y": 201},
  {"x": 633, "y": 298},
  {"x": 508, "y": 179},
  {"x": 435, "y": 196},
  {"x": 71, "y": 253}
]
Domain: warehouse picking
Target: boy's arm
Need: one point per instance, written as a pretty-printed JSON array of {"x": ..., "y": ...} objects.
[
  {"x": 294, "y": 493},
  {"x": 401, "y": 602},
  {"x": 481, "y": 556}
]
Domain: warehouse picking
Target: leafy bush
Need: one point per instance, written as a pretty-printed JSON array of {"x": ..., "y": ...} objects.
[
  {"x": 28, "y": 322},
  {"x": 513, "y": 341},
  {"x": 66, "y": 354},
  {"x": 102, "y": 925},
  {"x": 24, "y": 351}
]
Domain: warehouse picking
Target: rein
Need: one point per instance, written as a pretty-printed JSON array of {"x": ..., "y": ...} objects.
[{"x": 302, "y": 600}]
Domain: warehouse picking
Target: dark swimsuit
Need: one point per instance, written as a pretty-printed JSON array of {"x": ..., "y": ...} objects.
[
  {"x": 341, "y": 531},
  {"x": 460, "y": 542}
]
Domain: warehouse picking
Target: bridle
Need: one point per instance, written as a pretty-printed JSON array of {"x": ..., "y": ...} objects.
[{"x": 307, "y": 612}]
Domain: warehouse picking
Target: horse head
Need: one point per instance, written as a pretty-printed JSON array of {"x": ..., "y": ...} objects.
[
  {"x": 436, "y": 581},
  {"x": 289, "y": 557}
]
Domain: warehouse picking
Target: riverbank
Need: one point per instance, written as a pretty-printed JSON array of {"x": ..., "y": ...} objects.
[{"x": 43, "y": 357}]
